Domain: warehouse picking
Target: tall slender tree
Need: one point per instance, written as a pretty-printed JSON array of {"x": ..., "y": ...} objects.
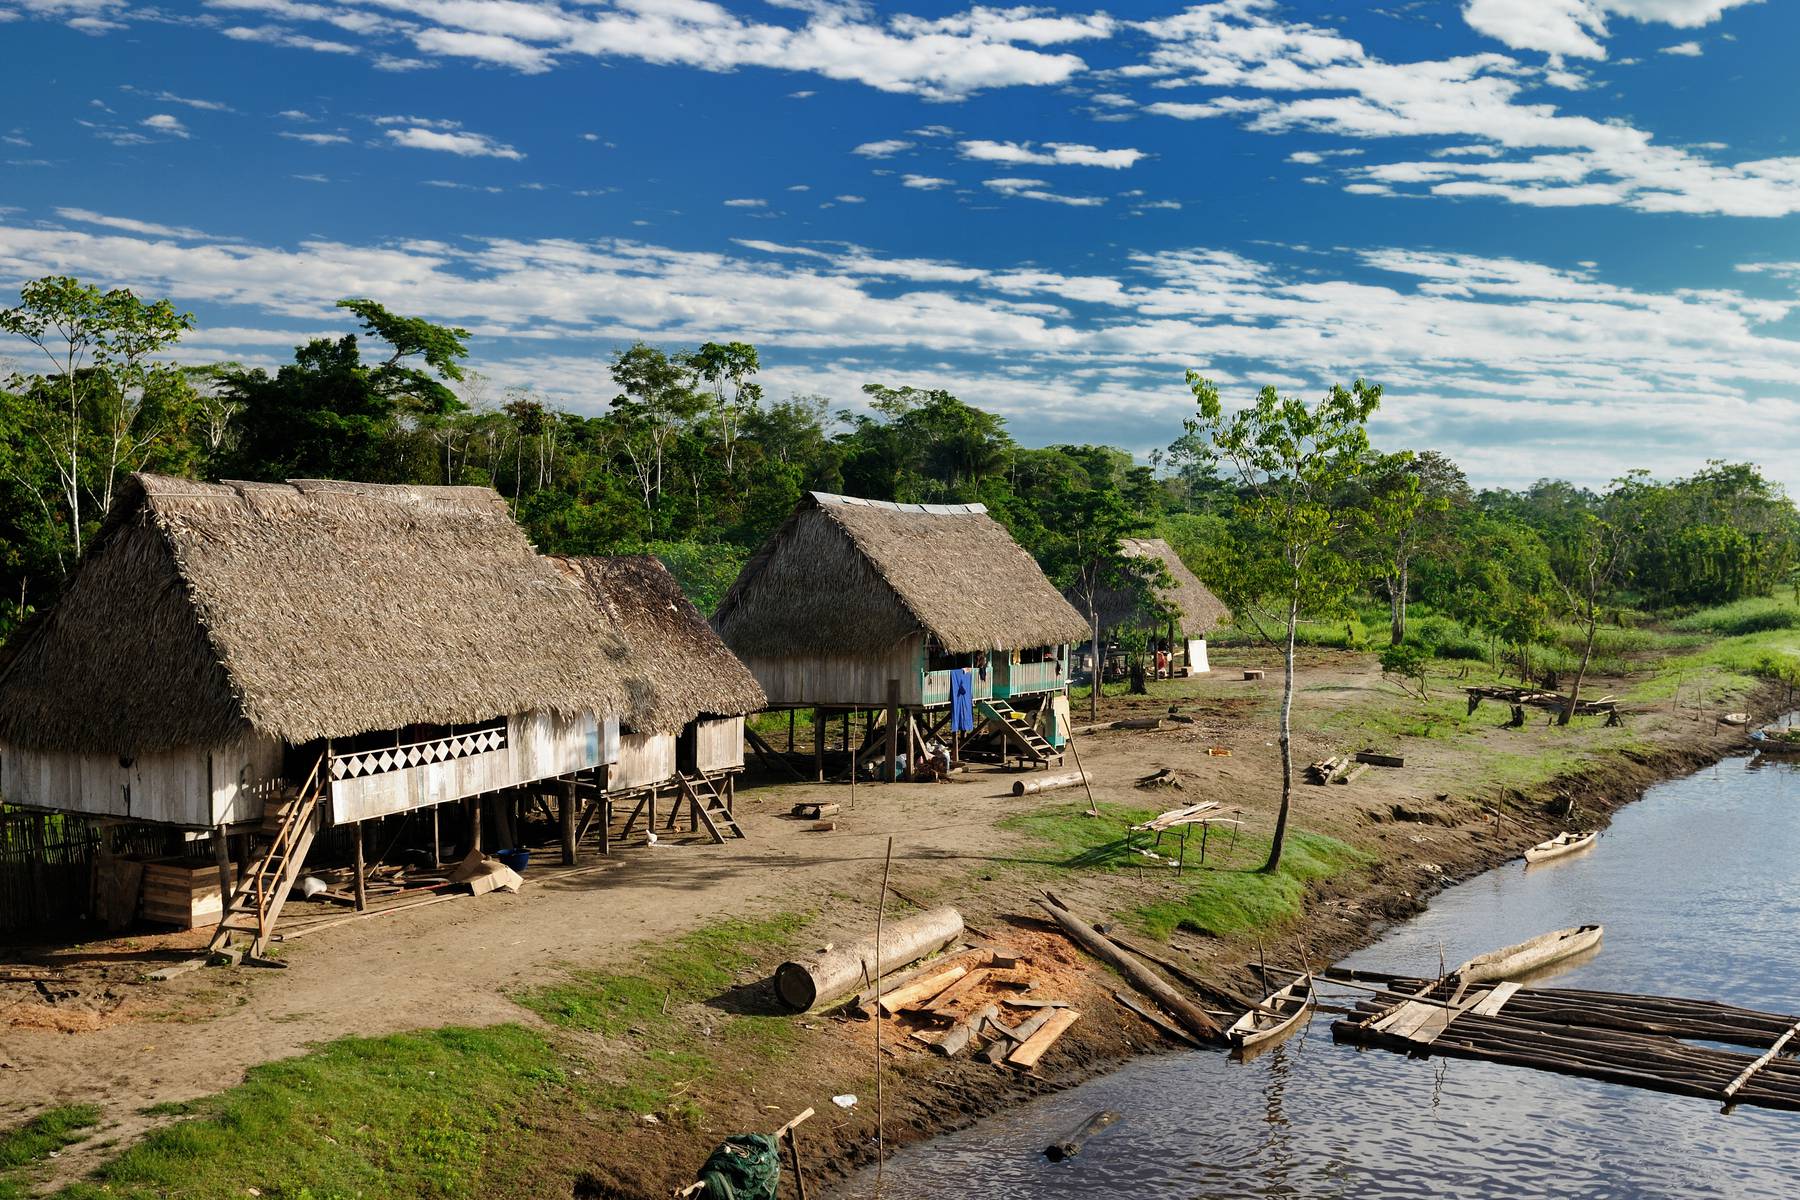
[{"x": 1293, "y": 463}]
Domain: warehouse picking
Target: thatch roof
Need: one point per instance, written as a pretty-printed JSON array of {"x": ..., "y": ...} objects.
[
  {"x": 845, "y": 576},
  {"x": 1197, "y": 611},
  {"x": 304, "y": 610},
  {"x": 689, "y": 670}
]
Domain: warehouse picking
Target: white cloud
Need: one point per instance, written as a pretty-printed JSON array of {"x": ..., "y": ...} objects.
[
  {"x": 1501, "y": 362},
  {"x": 1684, "y": 50},
  {"x": 1578, "y": 28},
  {"x": 925, "y": 183},
  {"x": 850, "y": 199},
  {"x": 86, "y": 216},
  {"x": 165, "y": 123},
  {"x": 294, "y": 114},
  {"x": 1051, "y": 154},
  {"x": 460, "y": 142},
  {"x": 885, "y": 148},
  {"x": 1037, "y": 189},
  {"x": 1281, "y": 77},
  {"x": 494, "y": 48},
  {"x": 317, "y": 139},
  {"x": 746, "y": 203},
  {"x": 275, "y": 35},
  {"x": 171, "y": 98}
]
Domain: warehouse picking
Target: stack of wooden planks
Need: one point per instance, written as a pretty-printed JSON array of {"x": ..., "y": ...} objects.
[{"x": 1654, "y": 1042}]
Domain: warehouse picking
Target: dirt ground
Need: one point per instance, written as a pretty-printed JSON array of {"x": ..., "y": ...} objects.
[{"x": 80, "y": 1023}]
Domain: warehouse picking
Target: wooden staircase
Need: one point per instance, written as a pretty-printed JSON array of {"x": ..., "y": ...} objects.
[
  {"x": 288, "y": 830},
  {"x": 1016, "y": 729},
  {"x": 709, "y": 806}
]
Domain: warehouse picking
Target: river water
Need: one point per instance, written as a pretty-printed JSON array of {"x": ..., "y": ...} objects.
[{"x": 1698, "y": 885}]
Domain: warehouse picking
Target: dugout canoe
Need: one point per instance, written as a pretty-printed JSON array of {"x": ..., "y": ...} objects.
[
  {"x": 1769, "y": 743},
  {"x": 1546, "y": 949},
  {"x": 1274, "y": 1017},
  {"x": 1561, "y": 844}
]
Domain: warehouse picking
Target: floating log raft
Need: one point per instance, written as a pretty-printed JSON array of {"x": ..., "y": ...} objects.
[{"x": 1651, "y": 1042}]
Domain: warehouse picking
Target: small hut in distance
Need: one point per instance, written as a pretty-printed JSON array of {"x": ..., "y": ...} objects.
[
  {"x": 856, "y": 605},
  {"x": 1194, "y": 612}
]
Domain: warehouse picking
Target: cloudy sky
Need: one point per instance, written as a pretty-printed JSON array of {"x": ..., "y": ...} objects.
[{"x": 1564, "y": 234}]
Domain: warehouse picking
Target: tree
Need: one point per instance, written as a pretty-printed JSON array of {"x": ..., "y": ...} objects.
[
  {"x": 656, "y": 402},
  {"x": 328, "y": 414},
  {"x": 727, "y": 369},
  {"x": 1588, "y": 563},
  {"x": 1084, "y": 559},
  {"x": 100, "y": 347},
  {"x": 1406, "y": 493},
  {"x": 1291, "y": 462}
]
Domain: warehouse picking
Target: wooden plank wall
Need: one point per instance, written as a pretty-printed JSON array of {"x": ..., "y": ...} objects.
[
  {"x": 169, "y": 786},
  {"x": 719, "y": 744},
  {"x": 47, "y": 859},
  {"x": 842, "y": 681},
  {"x": 644, "y": 759}
]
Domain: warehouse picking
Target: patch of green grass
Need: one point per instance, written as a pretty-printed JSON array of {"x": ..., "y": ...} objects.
[
  {"x": 408, "y": 1114},
  {"x": 50, "y": 1130},
  {"x": 692, "y": 967},
  {"x": 1758, "y": 614},
  {"x": 1226, "y": 897}
]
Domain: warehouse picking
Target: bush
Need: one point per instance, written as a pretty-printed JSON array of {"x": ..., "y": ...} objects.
[{"x": 1757, "y": 615}]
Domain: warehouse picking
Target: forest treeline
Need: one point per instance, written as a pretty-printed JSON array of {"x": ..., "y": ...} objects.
[{"x": 682, "y": 454}]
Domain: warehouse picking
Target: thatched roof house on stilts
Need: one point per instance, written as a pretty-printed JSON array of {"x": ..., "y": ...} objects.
[
  {"x": 687, "y": 736},
  {"x": 859, "y": 606},
  {"x": 266, "y": 661},
  {"x": 1188, "y": 611}
]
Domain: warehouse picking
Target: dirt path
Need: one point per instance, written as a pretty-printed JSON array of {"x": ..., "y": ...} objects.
[{"x": 125, "y": 1044}]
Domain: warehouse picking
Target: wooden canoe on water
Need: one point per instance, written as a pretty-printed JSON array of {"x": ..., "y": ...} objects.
[
  {"x": 1546, "y": 949},
  {"x": 1561, "y": 844},
  {"x": 1274, "y": 1017},
  {"x": 1774, "y": 743}
]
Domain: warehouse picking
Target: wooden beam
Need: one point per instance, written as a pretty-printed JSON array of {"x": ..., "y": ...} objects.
[
  {"x": 818, "y": 745},
  {"x": 893, "y": 729},
  {"x": 566, "y": 810},
  {"x": 362, "y": 875}
]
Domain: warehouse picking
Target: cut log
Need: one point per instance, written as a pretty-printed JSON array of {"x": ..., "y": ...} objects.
[
  {"x": 1138, "y": 723},
  {"x": 1185, "y": 1012},
  {"x": 1351, "y": 775},
  {"x": 895, "y": 980},
  {"x": 815, "y": 812},
  {"x": 1162, "y": 1026},
  {"x": 1253, "y": 674},
  {"x": 1380, "y": 760},
  {"x": 805, "y": 982},
  {"x": 1039, "y": 1043},
  {"x": 957, "y": 990},
  {"x": 1047, "y": 783},
  {"x": 1070, "y": 1143},
  {"x": 915, "y": 994},
  {"x": 957, "y": 1039}
]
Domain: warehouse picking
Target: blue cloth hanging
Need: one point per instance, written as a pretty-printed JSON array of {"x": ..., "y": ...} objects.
[{"x": 962, "y": 701}]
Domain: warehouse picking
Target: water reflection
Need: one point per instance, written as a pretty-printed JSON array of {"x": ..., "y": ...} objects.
[{"x": 1698, "y": 889}]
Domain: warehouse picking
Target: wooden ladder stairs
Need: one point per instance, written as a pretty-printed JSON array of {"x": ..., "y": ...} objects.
[
  {"x": 709, "y": 806},
  {"x": 1019, "y": 731},
  {"x": 257, "y": 900}
]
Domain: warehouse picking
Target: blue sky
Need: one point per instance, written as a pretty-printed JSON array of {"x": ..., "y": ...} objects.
[{"x": 1561, "y": 233}]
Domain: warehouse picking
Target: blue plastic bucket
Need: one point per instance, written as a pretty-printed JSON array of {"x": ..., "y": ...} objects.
[{"x": 518, "y": 859}]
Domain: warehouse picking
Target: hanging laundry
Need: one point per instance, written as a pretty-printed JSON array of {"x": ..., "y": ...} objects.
[{"x": 962, "y": 701}]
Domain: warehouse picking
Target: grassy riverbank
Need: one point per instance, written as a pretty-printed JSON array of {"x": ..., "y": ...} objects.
[{"x": 612, "y": 1072}]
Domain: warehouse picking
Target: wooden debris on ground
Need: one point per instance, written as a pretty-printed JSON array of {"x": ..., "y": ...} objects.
[
  {"x": 1375, "y": 759},
  {"x": 1164, "y": 778},
  {"x": 1326, "y": 770}
]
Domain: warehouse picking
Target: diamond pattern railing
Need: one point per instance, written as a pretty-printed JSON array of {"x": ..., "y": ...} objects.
[{"x": 399, "y": 758}]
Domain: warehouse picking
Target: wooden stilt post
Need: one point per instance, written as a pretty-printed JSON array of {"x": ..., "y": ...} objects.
[
  {"x": 791, "y": 713},
  {"x": 567, "y": 812},
  {"x": 474, "y": 823},
  {"x": 362, "y": 876},
  {"x": 222, "y": 855},
  {"x": 893, "y": 730},
  {"x": 818, "y": 745}
]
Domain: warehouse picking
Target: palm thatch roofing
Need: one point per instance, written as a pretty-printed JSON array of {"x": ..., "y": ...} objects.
[
  {"x": 304, "y": 610},
  {"x": 690, "y": 671},
  {"x": 845, "y": 576},
  {"x": 1197, "y": 611}
]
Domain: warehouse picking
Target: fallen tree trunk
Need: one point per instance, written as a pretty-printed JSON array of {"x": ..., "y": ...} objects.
[
  {"x": 805, "y": 982},
  {"x": 1046, "y": 783},
  {"x": 1185, "y": 1012}
]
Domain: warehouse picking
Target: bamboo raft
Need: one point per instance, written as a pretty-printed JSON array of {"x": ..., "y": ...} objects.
[{"x": 1636, "y": 1041}]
